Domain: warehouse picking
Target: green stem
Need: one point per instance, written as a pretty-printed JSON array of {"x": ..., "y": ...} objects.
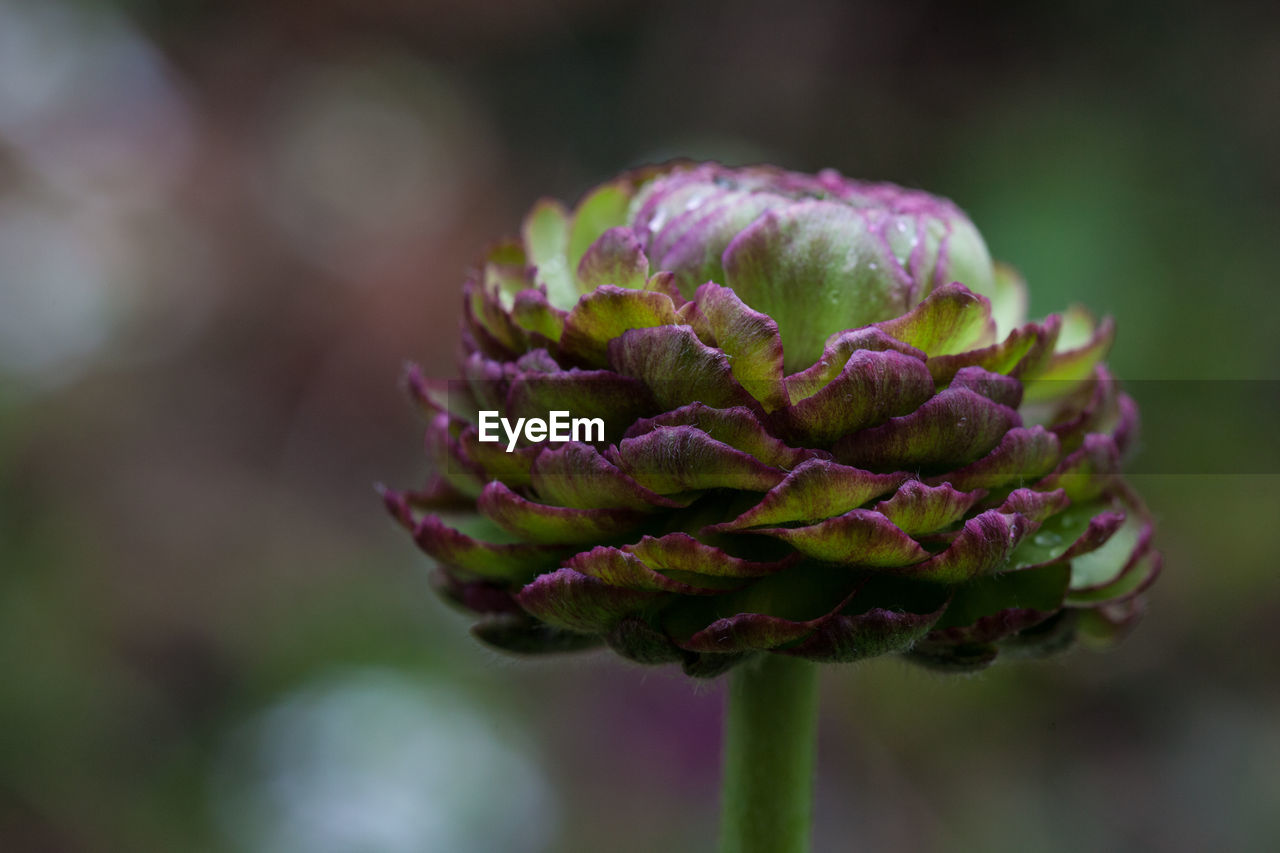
[{"x": 767, "y": 790}]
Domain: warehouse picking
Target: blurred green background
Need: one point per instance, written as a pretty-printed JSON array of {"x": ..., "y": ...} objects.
[{"x": 223, "y": 226}]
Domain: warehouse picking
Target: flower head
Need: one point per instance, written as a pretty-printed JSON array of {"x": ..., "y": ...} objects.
[{"x": 828, "y": 432}]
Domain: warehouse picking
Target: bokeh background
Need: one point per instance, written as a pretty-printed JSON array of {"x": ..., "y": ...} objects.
[{"x": 223, "y": 226}]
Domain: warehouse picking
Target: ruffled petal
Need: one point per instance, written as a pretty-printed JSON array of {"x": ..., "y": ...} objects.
[
  {"x": 917, "y": 508},
  {"x": 677, "y": 367},
  {"x": 607, "y": 312},
  {"x": 749, "y": 339},
  {"x": 577, "y": 475},
  {"x": 950, "y": 320},
  {"x": 950, "y": 430},
  {"x": 858, "y": 538},
  {"x": 616, "y": 257},
  {"x": 815, "y": 490},
  {"x": 737, "y": 427},
  {"x": 551, "y": 525},
  {"x": 670, "y": 460},
  {"x": 871, "y": 388}
]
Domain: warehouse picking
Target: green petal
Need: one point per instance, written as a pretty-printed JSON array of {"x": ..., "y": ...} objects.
[
  {"x": 815, "y": 490},
  {"x": 749, "y": 339},
  {"x": 871, "y": 388},
  {"x": 617, "y": 258},
  {"x": 1009, "y": 299},
  {"x": 951, "y": 320},
  {"x": 672, "y": 460},
  {"x": 571, "y": 600},
  {"x": 917, "y": 509},
  {"x": 1023, "y": 455},
  {"x": 952, "y": 429},
  {"x": 604, "y": 208},
  {"x": 737, "y": 427},
  {"x": 577, "y": 476},
  {"x": 677, "y": 368},
  {"x": 546, "y": 240},
  {"x": 858, "y": 538},
  {"x": 607, "y": 312}
]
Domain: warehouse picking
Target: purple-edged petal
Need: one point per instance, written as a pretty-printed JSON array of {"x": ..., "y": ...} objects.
[
  {"x": 858, "y": 538},
  {"x": 885, "y": 615},
  {"x": 437, "y": 495},
  {"x": 506, "y": 274},
  {"x": 1089, "y": 471},
  {"x": 1102, "y": 566},
  {"x": 1077, "y": 530},
  {"x": 577, "y": 476},
  {"x": 1024, "y": 454},
  {"x": 607, "y": 312},
  {"x": 491, "y": 460},
  {"x": 582, "y": 395},
  {"x": 488, "y": 317},
  {"x": 871, "y": 388},
  {"x": 677, "y": 367},
  {"x": 692, "y": 243},
  {"x": 983, "y": 547},
  {"x": 748, "y": 632},
  {"x": 571, "y": 600},
  {"x": 681, "y": 553},
  {"x": 551, "y": 525},
  {"x": 1035, "y": 504},
  {"x": 768, "y": 614},
  {"x": 917, "y": 508},
  {"x": 816, "y": 489},
  {"x": 952, "y": 429},
  {"x": 603, "y": 208},
  {"x": 835, "y": 355},
  {"x": 486, "y": 380},
  {"x": 624, "y": 569},
  {"x": 1004, "y": 390},
  {"x": 450, "y": 460},
  {"x": 1023, "y": 345},
  {"x": 845, "y": 638},
  {"x": 617, "y": 258},
  {"x": 1097, "y": 407},
  {"x": 1137, "y": 576},
  {"x": 737, "y": 427},
  {"x": 749, "y": 339},
  {"x": 538, "y": 317},
  {"x": 992, "y": 608},
  {"x": 1080, "y": 347},
  {"x": 670, "y": 460},
  {"x": 951, "y": 320},
  {"x": 483, "y": 549}
]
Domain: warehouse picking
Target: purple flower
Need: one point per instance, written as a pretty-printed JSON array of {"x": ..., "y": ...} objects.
[{"x": 826, "y": 430}]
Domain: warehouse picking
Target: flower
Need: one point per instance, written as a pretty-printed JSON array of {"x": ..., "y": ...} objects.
[{"x": 829, "y": 433}]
